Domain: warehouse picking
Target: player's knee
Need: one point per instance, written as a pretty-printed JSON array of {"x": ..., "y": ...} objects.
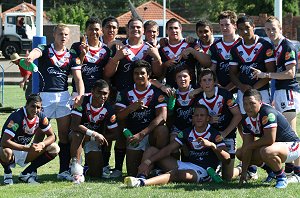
[
  {"x": 53, "y": 149},
  {"x": 6, "y": 155},
  {"x": 238, "y": 153},
  {"x": 267, "y": 152}
]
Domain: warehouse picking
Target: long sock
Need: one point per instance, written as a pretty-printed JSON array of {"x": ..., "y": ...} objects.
[
  {"x": 106, "y": 155},
  {"x": 252, "y": 168},
  {"x": 266, "y": 168},
  {"x": 289, "y": 167},
  {"x": 119, "y": 158},
  {"x": 6, "y": 168},
  {"x": 38, "y": 162},
  {"x": 64, "y": 157},
  {"x": 280, "y": 173},
  {"x": 297, "y": 170}
]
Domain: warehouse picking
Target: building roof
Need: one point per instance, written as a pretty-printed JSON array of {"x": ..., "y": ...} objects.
[
  {"x": 23, "y": 7},
  {"x": 150, "y": 11}
]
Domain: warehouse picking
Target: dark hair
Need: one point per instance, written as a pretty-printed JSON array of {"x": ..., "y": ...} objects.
[
  {"x": 101, "y": 84},
  {"x": 201, "y": 106},
  {"x": 92, "y": 20},
  {"x": 140, "y": 64},
  {"x": 182, "y": 67},
  {"x": 252, "y": 92},
  {"x": 134, "y": 19},
  {"x": 244, "y": 19},
  {"x": 228, "y": 14},
  {"x": 204, "y": 23},
  {"x": 173, "y": 20},
  {"x": 205, "y": 72},
  {"x": 150, "y": 23},
  {"x": 33, "y": 97},
  {"x": 110, "y": 19}
]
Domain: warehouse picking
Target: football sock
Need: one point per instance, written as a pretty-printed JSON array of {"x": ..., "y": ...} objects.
[
  {"x": 266, "y": 168},
  {"x": 64, "y": 157},
  {"x": 38, "y": 162},
  {"x": 280, "y": 173},
  {"x": 106, "y": 155},
  {"x": 297, "y": 170},
  {"x": 6, "y": 168},
  {"x": 119, "y": 158},
  {"x": 289, "y": 167}
]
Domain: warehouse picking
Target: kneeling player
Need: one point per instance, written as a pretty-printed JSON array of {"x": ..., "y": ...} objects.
[
  {"x": 88, "y": 124},
  {"x": 277, "y": 143},
  {"x": 17, "y": 133},
  {"x": 206, "y": 149}
]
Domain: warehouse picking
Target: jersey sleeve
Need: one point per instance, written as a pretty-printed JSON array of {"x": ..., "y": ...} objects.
[
  {"x": 44, "y": 123},
  {"x": 290, "y": 56},
  {"x": 121, "y": 100},
  {"x": 111, "y": 118},
  {"x": 230, "y": 100},
  {"x": 216, "y": 138},
  {"x": 268, "y": 118},
  {"x": 12, "y": 124},
  {"x": 269, "y": 52},
  {"x": 160, "y": 99}
]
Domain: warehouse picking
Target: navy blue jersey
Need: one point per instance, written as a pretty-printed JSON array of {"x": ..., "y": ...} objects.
[
  {"x": 183, "y": 110},
  {"x": 123, "y": 77},
  {"x": 286, "y": 54},
  {"x": 256, "y": 56},
  {"x": 170, "y": 51},
  {"x": 220, "y": 104},
  {"x": 268, "y": 117},
  {"x": 55, "y": 68},
  {"x": 199, "y": 155},
  {"x": 140, "y": 119},
  {"x": 96, "y": 119},
  {"x": 93, "y": 65},
  {"x": 219, "y": 52},
  {"x": 21, "y": 129}
]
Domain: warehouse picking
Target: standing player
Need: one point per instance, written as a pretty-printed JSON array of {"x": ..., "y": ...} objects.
[
  {"x": 17, "y": 133},
  {"x": 110, "y": 27},
  {"x": 250, "y": 52},
  {"x": 286, "y": 96},
  {"x": 93, "y": 54},
  {"x": 179, "y": 51},
  {"x": 206, "y": 149},
  {"x": 204, "y": 31},
  {"x": 143, "y": 107},
  {"x": 89, "y": 121},
  {"x": 225, "y": 116},
  {"x": 220, "y": 50},
  {"x": 151, "y": 32},
  {"x": 55, "y": 64},
  {"x": 276, "y": 141},
  {"x": 119, "y": 68}
]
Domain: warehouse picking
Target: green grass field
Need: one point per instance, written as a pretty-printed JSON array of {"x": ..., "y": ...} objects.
[{"x": 51, "y": 187}]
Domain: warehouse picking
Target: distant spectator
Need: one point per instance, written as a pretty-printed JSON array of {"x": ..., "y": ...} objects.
[{"x": 20, "y": 28}]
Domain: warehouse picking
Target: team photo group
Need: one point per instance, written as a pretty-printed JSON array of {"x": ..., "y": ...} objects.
[{"x": 170, "y": 109}]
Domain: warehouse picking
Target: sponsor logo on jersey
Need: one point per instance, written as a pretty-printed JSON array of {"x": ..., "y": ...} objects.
[
  {"x": 180, "y": 134},
  {"x": 79, "y": 108},
  {"x": 45, "y": 121},
  {"x": 13, "y": 126},
  {"x": 113, "y": 118},
  {"x": 78, "y": 61},
  {"x": 269, "y": 52},
  {"x": 161, "y": 98},
  {"x": 271, "y": 117},
  {"x": 265, "y": 120},
  {"x": 230, "y": 102},
  {"x": 10, "y": 124},
  {"x": 218, "y": 138}
]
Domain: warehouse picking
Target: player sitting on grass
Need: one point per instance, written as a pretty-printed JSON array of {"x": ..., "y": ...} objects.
[
  {"x": 206, "y": 149},
  {"x": 17, "y": 133}
]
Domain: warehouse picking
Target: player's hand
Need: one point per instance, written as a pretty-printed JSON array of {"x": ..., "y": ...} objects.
[
  {"x": 100, "y": 138},
  {"x": 136, "y": 138},
  {"x": 258, "y": 74},
  {"x": 173, "y": 61},
  {"x": 139, "y": 104},
  {"x": 214, "y": 119},
  {"x": 143, "y": 169},
  {"x": 168, "y": 90},
  {"x": 152, "y": 51},
  {"x": 38, "y": 147},
  {"x": 84, "y": 47},
  {"x": 190, "y": 39},
  {"x": 185, "y": 53},
  {"x": 77, "y": 101},
  {"x": 204, "y": 142},
  {"x": 163, "y": 42},
  {"x": 115, "y": 42},
  {"x": 121, "y": 52},
  {"x": 195, "y": 92}
]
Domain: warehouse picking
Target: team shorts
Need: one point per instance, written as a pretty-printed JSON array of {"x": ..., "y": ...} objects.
[
  {"x": 56, "y": 104},
  {"x": 285, "y": 100},
  {"x": 231, "y": 146},
  {"x": 91, "y": 146},
  {"x": 264, "y": 94},
  {"x": 293, "y": 151},
  {"x": 20, "y": 158},
  {"x": 143, "y": 145},
  {"x": 202, "y": 175}
]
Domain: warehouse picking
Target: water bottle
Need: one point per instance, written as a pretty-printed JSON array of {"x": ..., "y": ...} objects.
[
  {"x": 127, "y": 133},
  {"x": 171, "y": 102},
  {"x": 32, "y": 67},
  {"x": 214, "y": 176}
]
